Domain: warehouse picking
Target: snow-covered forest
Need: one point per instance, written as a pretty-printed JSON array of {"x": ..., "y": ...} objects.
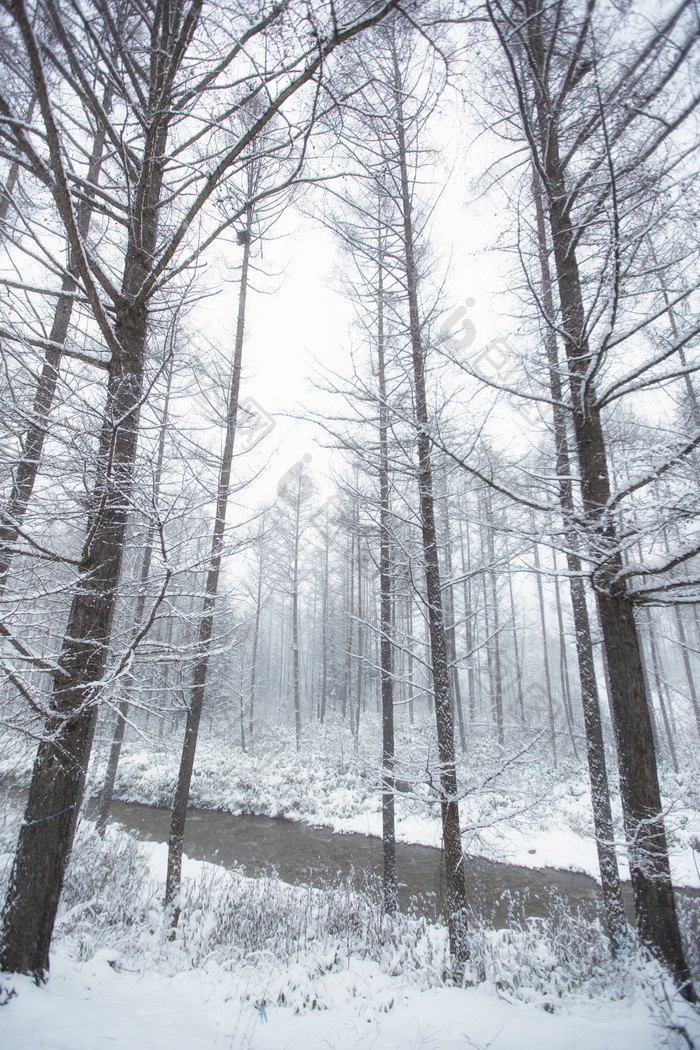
[{"x": 350, "y": 475}]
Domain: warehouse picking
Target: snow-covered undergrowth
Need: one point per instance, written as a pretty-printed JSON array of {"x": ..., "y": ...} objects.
[{"x": 253, "y": 951}]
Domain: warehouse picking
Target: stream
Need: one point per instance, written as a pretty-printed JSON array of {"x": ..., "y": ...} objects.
[{"x": 303, "y": 854}]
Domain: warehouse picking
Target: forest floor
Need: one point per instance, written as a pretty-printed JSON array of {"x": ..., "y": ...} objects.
[{"x": 260, "y": 965}]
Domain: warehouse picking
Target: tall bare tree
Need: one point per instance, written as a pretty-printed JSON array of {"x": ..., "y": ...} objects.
[
  {"x": 587, "y": 145},
  {"x": 197, "y": 61}
]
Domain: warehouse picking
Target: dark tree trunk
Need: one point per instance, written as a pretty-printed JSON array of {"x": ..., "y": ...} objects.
[
  {"x": 455, "y": 895},
  {"x": 27, "y": 467},
  {"x": 360, "y": 644},
  {"x": 206, "y": 623},
  {"x": 410, "y": 684},
  {"x": 389, "y": 878},
  {"x": 590, "y": 701},
  {"x": 46, "y": 835},
  {"x": 655, "y": 906}
]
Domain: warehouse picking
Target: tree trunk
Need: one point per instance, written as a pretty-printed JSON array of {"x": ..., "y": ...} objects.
[
  {"x": 655, "y": 906},
  {"x": 296, "y": 683},
  {"x": 123, "y": 708},
  {"x": 469, "y": 625},
  {"x": 46, "y": 835},
  {"x": 564, "y": 662},
  {"x": 450, "y": 631},
  {"x": 545, "y": 655},
  {"x": 410, "y": 684},
  {"x": 455, "y": 896},
  {"x": 389, "y": 878},
  {"x": 494, "y": 641},
  {"x": 347, "y": 682},
  {"x": 324, "y": 628},
  {"x": 256, "y": 637},
  {"x": 360, "y": 644},
  {"x": 516, "y": 650},
  {"x": 206, "y": 623},
  {"x": 590, "y": 701}
]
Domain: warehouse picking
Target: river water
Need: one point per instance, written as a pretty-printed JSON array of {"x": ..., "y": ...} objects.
[{"x": 300, "y": 853}]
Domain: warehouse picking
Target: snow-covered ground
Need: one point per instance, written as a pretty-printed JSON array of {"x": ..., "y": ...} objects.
[
  {"x": 91, "y": 1006},
  {"x": 321, "y": 974}
]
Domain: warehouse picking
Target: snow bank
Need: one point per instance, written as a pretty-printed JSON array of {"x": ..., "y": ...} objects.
[{"x": 92, "y": 1006}]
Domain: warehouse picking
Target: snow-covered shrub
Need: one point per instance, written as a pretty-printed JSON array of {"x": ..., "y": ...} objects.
[
  {"x": 106, "y": 884},
  {"x": 231, "y": 920},
  {"x": 689, "y": 916},
  {"x": 274, "y": 781},
  {"x": 229, "y": 917},
  {"x": 537, "y": 959}
]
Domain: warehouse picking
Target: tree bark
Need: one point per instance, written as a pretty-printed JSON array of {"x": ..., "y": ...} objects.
[
  {"x": 46, "y": 835},
  {"x": 206, "y": 623},
  {"x": 455, "y": 895},
  {"x": 590, "y": 701},
  {"x": 27, "y": 467},
  {"x": 389, "y": 877},
  {"x": 655, "y": 906}
]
